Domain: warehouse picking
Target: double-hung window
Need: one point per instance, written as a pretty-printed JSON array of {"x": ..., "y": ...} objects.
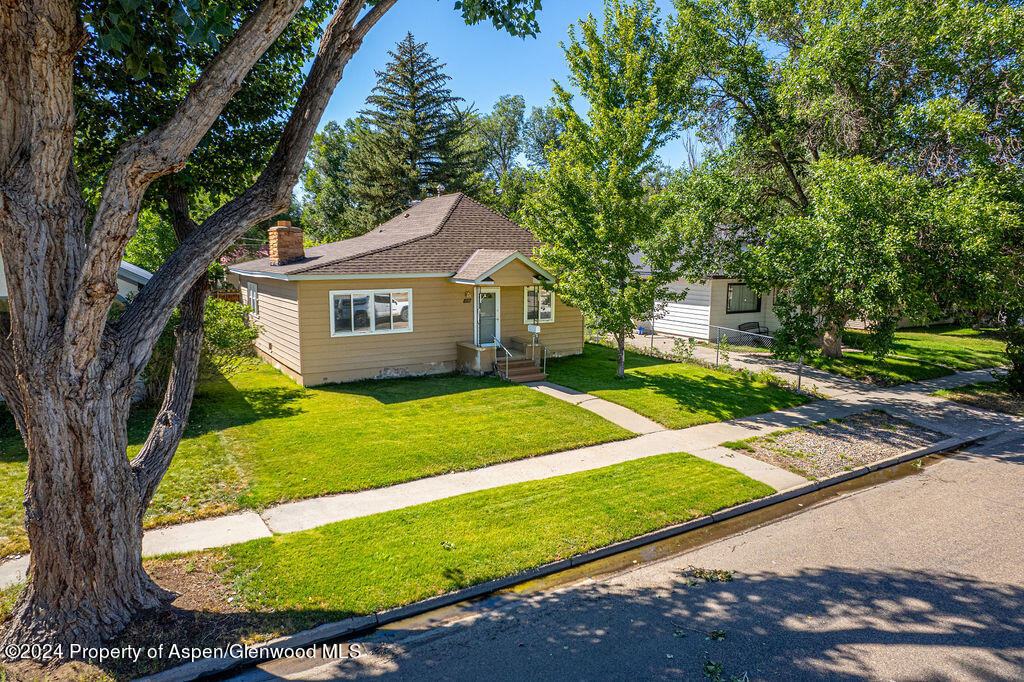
[
  {"x": 375, "y": 311},
  {"x": 740, "y": 298},
  {"x": 252, "y": 299},
  {"x": 538, "y": 305}
]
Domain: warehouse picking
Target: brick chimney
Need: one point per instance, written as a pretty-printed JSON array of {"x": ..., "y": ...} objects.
[{"x": 285, "y": 243}]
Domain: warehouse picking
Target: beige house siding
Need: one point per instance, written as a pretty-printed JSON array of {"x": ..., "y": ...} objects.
[
  {"x": 564, "y": 336},
  {"x": 278, "y": 321},
  {"x": 442, "y": 317}
]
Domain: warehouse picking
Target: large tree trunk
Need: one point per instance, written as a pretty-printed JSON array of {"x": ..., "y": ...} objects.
[
  {"x": 82, "y": 516},
  {"x": 832, "y": 341},
  {"x": 66, "y": 371}
]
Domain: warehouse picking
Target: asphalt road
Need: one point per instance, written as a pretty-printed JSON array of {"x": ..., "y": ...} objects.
[{"x": 920, "y": 578}]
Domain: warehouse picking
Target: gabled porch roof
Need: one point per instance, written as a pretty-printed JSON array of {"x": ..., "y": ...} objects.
[{"x": 483, "y": 264}]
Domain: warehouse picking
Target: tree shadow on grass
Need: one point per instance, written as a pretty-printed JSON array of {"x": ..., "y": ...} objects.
[
  {"x": 408, "y": 389},
  {"x": 714, "y": 396}
]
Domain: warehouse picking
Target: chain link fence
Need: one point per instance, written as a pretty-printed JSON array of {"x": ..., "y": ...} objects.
[{"x": 727, "y": 339}]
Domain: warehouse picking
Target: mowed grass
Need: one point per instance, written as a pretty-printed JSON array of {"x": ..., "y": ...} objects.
[
  {"x": 258, "y": 438},
  {"x": 916, "y": 354},
  {"x": 959, "y": 348},
  {"x": 887, "y": 371},
  {"x": 377, "y": 562},
  {"x": 674, "y": 394}
]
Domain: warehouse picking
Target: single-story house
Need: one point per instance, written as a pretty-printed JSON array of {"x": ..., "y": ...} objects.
[
  {"x": 130, "y": 279},
  {"x": 718, "y": 302},
  {"x": 447, "y": 285}
]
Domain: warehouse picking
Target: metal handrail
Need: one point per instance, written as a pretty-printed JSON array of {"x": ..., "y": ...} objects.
[
  {"x": 507, "y": 353},
  {"x": 533, "y": 353}
]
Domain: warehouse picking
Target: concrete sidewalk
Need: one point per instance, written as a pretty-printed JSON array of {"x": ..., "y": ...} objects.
[{"x": 912, "y": 402}]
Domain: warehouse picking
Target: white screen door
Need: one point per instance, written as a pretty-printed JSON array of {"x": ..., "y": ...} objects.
[{"x": 488, "y": 312}]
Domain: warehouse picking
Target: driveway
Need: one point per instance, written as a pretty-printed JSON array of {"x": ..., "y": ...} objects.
[{"x": 920, "y": 578}]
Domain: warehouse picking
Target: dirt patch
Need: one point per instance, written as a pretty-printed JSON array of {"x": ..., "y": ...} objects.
[
  {"x": 207, "y": 613},
  {"x": 828, "y": 448}
]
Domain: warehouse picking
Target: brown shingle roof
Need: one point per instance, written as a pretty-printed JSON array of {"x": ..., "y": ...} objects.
[
  {"x": 437, "y": 235},
  {"x": 481, "y": 261}
]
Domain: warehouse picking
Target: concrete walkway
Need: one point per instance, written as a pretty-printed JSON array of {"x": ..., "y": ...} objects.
[
  {"x": 912, "y": 402},
  {"x": 616, "y": 414}
]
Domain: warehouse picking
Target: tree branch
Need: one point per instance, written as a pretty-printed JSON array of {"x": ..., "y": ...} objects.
[
  {"x": 153, "y": 155},
  {"x": 152, "y": 461},
  {"x": 270, "y": 194},
  {"x": 9, "y": 389},
  {"x": 804, "y": 203}
]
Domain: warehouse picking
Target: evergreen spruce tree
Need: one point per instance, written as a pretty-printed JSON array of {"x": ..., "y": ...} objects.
[{"x": 415, "y": 139}]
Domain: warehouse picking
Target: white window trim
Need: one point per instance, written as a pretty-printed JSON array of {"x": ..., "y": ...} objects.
[
  {"x": 526, "y": 304},
  {"x": 252, "y": 299},
  {"x": 372, "y": 331}
]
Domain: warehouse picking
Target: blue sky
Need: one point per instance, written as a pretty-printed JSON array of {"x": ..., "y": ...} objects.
[{"x": 483, "y": 62}]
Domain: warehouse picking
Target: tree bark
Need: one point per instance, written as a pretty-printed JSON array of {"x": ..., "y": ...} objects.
[
  {"x": 832, "y": 340},
  {"x": 83, "y": 513},
  {"x": 65, "y": 370},
  {"x": 620, "y": 340}
]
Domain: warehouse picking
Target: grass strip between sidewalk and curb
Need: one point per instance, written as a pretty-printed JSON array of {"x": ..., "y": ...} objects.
[{"x": 986, "y": 395}]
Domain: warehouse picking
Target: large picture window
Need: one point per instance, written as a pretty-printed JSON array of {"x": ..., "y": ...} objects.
[
  {"x": 538, "y": 305},
  {"x": 371, "y": 312},
  {"x": 742, "y": 299}
]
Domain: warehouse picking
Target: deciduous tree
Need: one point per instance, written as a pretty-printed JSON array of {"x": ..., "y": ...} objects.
[
  {"x": 66, "y": 370},
  {"x": 925, "y": 90},
  {"x": 594, "y": 209}
]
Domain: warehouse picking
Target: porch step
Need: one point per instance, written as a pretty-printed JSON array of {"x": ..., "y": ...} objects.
[
  {"x": 520, "y": 371},
  {"x": 527, "y": 378}
]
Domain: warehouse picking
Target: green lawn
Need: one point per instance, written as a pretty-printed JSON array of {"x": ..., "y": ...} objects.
[
  {"x": 888, "y": 371},
  {"x": 950, "y": 346},
  {"x": 368, "y": 564},
  {"x": 259, "y": 439},
  {"x": 675, "y": 394},
  {"x": 917, "y": 354}
]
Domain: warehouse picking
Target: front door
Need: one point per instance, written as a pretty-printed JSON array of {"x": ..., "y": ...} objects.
[{"x": 488, "y": 312}]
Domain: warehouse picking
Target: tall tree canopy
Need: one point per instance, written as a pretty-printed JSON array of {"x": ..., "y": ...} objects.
[
  {"x": 541, "y": 131},
  {"x": 67, "y": 371},
  {"x": 326, "y": 181},
  {"x": 894, "y": 94},
  {"x": 594, "y": 209},
  {"x": 414, "y": 139},
  {"x": 501, "y": 135}
]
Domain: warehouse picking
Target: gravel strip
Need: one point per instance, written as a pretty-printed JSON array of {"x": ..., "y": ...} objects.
[{"x": 832, "y": 447}]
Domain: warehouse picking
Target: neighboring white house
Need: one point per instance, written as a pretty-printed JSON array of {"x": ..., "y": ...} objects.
[
  {"x": 715, "y": 302},
  {"x": 130, "y": 279}
]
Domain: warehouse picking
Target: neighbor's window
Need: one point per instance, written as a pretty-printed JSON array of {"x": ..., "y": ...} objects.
[
  {"x": 371, "y": 312},
  {"x": 742, "y": 299},
  {"x": 252, "y": 299},
  {"x": 538, "y": 305}
]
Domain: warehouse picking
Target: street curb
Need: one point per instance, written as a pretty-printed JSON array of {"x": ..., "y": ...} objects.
[{"x": 350, "y": 626}]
